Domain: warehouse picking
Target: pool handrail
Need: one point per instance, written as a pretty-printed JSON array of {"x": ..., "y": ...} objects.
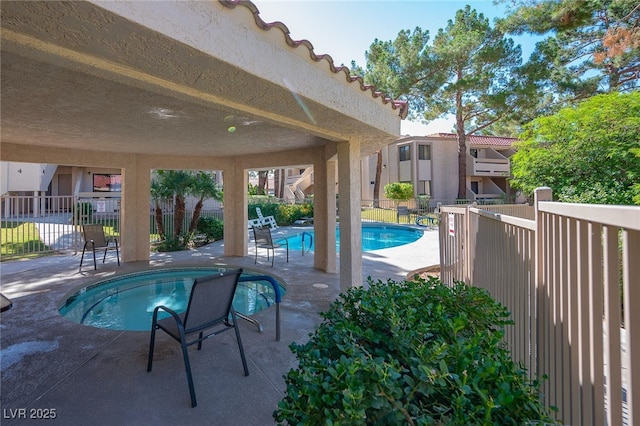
[
  {"x": 276, "y": 290},
  {"x": 310, "y": 241}
]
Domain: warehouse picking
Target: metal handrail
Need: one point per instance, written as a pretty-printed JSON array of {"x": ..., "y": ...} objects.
[
  {"x": 278, "y": 294},
  {"x": 310, "y": 241}
]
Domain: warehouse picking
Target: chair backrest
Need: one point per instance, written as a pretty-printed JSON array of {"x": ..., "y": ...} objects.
[
  {"x": 259, "y": 213},
  {"x": 262, "y": 235},
  {"x": 403, "y": 210},
  {"x": 210, "y": 300},
  {"x": 95, "y": 233}
]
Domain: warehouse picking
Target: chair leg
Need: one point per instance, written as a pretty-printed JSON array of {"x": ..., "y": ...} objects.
[
  {"x": 240, "y": 347},
  {"x": 117, "y": 253},
  {"x": 82, "y": 257},
  {"x": 93, "y": 249},
  {"x": 200, "y": 340},
  {"x": 187, "y": 366},
  {"x": 152, "y": 343}
]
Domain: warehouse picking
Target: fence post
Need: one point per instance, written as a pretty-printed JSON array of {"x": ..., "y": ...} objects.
[
  {"x": 540, "y": 305},
  {"x": 469, "y": 249}
]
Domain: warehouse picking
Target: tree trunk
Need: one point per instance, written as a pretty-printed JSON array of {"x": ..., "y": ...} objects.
[
  {"x": 178, "y": 215},
  {"x": 462, "y": 165},
  {"x": 196, "y": 215},
  {"x": 262, "y": 181},
  {"x": 376, "y": 185},
  {"x": 159, "y": 221},
  {"x": 283, "y": 178},
  {"x": 462, "y": 148},
  {"x": 276, "y": 184}
]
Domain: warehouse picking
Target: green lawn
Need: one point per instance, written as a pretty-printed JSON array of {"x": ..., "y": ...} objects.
[
  {"x": 389, "y": 216},
  {"x": 21, "y": 239}
]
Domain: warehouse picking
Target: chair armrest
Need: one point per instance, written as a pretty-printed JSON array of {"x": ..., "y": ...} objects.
[
  {"x": 279, "y": 239},
  {"x": 170, "y": 311}
]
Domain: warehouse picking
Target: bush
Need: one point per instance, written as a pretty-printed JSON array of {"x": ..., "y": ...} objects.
[
  {"x": 414, "y": 352},
  {"x": 172, "y": 243},
  {"x": 211, "y": 227},
  {"x": 83, "y": 211},
  {"x": 285, "y": 214},
  {"x": 423, "y": 202},
  {"x": 398, "y": 191}
]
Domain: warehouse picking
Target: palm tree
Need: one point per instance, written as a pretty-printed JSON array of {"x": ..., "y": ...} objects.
[
  {"x": 159, "y": 193},
  {"x": 178, "y": 182},
  {"x": 204, "y": 187}
]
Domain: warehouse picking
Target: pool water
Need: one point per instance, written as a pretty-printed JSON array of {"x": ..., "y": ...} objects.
[
  {"x": 127, "y": 302},
  {"x": 374, "y": 237}
]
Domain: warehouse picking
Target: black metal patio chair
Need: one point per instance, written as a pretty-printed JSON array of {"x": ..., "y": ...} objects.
[
  {"x": 95, "y": 239},
  {"x": 403, "y": 211},
  {"x": 264, "y": 239},
  {"x": 209, "y": 312}
]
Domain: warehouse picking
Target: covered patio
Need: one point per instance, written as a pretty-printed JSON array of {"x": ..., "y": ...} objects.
[
  {"x": 87, "y": 375},
  {"x": 190, "y": 85}
]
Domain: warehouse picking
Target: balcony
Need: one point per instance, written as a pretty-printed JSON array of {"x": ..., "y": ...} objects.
[{"x": 488, "y": 163}]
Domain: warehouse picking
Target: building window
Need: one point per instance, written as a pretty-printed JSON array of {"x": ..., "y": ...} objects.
[
  {"x": 107, "y": 183},
  {"x": 473, "y": 152},
  {"x": 424, "y": 152},
  {"x": 424, "y": 187},
  {"x": 404, "y": 152}
]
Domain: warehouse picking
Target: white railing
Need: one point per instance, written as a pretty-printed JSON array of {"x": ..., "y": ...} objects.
[
  {"x": 497, "y": 166},
  {"x": 52, "y": 224},
  {"x": 570, "y": 277}
]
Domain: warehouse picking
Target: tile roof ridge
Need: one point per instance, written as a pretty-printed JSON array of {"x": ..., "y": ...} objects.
[{"x": 403, "y": 106}]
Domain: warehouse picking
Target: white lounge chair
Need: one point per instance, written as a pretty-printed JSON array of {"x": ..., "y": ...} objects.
[{"x": 266, "y": 220}]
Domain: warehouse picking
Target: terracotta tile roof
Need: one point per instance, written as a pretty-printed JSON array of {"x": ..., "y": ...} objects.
[
  {"x": 481, "y": 140},
  {"x": 402, "y": 106}
]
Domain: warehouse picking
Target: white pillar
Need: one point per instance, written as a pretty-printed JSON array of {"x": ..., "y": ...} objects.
[
  {"x": 36, "y": 203},
  {"x": 235, "y": 180},
  {"x": 135, "y": 211},
  {"x": 349, "y": 201},
  {"x": 324, "y": 210},
  {"x": 43, "y": 202}
]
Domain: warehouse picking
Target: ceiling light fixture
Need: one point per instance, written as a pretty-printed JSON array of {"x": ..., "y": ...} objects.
[{"x": 162, "y": 113}]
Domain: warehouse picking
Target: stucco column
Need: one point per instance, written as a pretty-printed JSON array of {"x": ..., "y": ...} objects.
[
  {"x": 349, "y": 211},
  {"x": 235, "y": 180},
  {"x": 135, "y": 211},
  {"x": 324, "y": 210}
]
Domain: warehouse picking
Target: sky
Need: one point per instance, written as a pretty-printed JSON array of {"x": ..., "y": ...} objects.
[{"x": 345, "y": 29}]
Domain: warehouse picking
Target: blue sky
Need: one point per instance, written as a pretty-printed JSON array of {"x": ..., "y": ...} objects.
[{"x": 345, "y": 29}]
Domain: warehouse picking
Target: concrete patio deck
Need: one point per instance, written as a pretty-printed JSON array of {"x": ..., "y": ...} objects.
[{"x": 86, "y": 375}]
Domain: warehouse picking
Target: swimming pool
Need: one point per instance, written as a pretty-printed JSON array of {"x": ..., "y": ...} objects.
[
  {"x": 374, "y": 237},
  {"x": 127, "y": 302}
]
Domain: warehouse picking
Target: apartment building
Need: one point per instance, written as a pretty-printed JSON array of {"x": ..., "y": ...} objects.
[{"x": 430, "y": 163}]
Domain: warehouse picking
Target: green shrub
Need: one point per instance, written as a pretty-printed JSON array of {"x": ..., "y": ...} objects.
[
  {"x": 172, "y": 243},
  {"x": 414, "y": 352},
  {"x": 285, "y": 214},
  {"x": 423, "y": 202},
  {"x": 211, "y": 227},
  {"x": 398, "y": 191},
  {"x": 83, "y": 211}
]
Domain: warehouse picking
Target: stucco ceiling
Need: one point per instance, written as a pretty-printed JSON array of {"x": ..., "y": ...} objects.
[
  {"x": 77, "y": 76},
  {"x": 57, "y": 107}
]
